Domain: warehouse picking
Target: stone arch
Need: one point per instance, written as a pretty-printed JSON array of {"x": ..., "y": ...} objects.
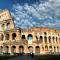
[
  {"x": 36, "y": 37},
  {"x": 13, "y": 36},
  {"x": 30, "y": 48},
  {"x": 45, "y": 38},
  {"x": 37, "y": 49},
  {"x": 54, "y": 49},
  {"x": 7, "y": 49},
  {"x": 23, "y": 37},
  {"x": 30, "y": 37},
  {"x": 49, "y": 38},
  {"x": 41, "y": 39},
  {"x": 7, "y": 37},
  {"x": 50, "y": 49},
  {"x": 53, "y": 39},
  {"x": 56, "y": 39},
  {"x": 13, "y": 49},
  {"x": 2, "y": 37},
  {"x": 57, "y": 48},
  {"x": 45, "y": 33},
  {"x": 8, "y": 25},
  {"x": 46, "y": 48},
  {"x": 21, "y": 49},
  {"x": 1, "y": 49}
]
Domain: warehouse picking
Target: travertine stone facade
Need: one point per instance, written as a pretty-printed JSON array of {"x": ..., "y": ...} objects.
[{"x": 38, "y": 40}]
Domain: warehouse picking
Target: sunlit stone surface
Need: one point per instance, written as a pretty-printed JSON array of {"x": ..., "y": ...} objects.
[{"x": 34, "y": 40}]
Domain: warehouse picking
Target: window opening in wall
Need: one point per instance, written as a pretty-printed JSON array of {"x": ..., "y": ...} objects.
[
  {"x": 46, "y": 48},
  {"x": 56, "y": 40},
  {"x": 50, "y": 49},
  {"x": 23, "y": 36},
  {"x": 41, "y": 39},
  {"x": 2, "y": 37},
  {"x": 45, "y": 38},
  {"x": 49, "y": 39},
  {"x": 30, "y": 37},
  {"x": 7, "y": 49},
  {"x": 3, "y": 25},
  {"x": 7, "y": 36},
  {"x": 37, "y": 50},
  {"x": 8, "y": 25},
  {"x": 13, "y": 36},
  {"x": 36, "y": 37},
  {"x": 45, "y": 33},
  {"x": 30, "y": 49},
  {"x": 21, "y": 49},
  {"x": 53, "y": 39},
  {"x": 13, "y": 49}
]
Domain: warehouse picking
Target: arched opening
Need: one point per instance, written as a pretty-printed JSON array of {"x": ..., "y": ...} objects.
[
  {"x": 7, "y": 36},
  {"x": 36, "y": 37},
  {"x": 45, "y": 33},
  {"x": 49, "y": 38},
  {"x": 13, "y": 36},
  {"x": 8, "y": 25},
  {"x": 57, "y": 48},
  {"x": 45, "y": 38},
  {"x": 53, "y": 39},
  {"x": 30, "y": 48},
  {"x": 2, "y": 37},
  {"x": 7, "y": 49},
  {"x": 21, "y": 49},
  {"x": 41, "y": 39},
  {"x": 23, "y": 36},
  {"x": 37, "y": 49},
  {"x": 1, "y": 49},
  {"x": 56, "y": 39},
  {"x": 54, "y": 49},
  {"x": 30, "y": 37},
  {"x": 3, "y": 25},
  {"x": 46, "y": 48},
  {"x": 13, "y": 49},
  {"x": 50, "y": 49}
]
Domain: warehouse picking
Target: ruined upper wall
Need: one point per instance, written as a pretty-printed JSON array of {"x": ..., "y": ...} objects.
[
  {"x": 5, "y": 15},
  {"x": 6, "y": 21}
]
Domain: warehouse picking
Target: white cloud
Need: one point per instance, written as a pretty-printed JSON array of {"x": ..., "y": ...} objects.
[{"x": 29, "y": 15}]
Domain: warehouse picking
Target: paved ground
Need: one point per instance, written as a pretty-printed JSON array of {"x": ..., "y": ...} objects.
[
  {"x": 26, "y": 57},
  {"x": 23, "y": 58}
]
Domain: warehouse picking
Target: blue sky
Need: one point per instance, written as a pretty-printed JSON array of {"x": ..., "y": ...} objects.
[{"x": 34, "y": 13}]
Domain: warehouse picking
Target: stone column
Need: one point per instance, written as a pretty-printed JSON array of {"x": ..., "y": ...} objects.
[
  {"x": 17, "y": 48},
  {"x": 43, "y": 44},
  {"x": 18, "y": 35},
  {"x": 10, "y": 50},
  {"x": 34, "y": 49},
  {"x": 48, "y": 42},
  {"x": 4, "y": 36},
  {"x": 25, "y": 49},
  {"x": 10, "y": 36}
]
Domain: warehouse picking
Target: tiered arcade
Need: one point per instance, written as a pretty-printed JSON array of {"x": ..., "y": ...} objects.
[{"x": 38, "y": 40}]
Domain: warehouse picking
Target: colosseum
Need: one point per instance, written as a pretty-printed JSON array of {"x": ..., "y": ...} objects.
[{"x": 37, "y": 40}]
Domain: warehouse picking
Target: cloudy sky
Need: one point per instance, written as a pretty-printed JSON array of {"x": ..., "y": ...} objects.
[{"x": 34, "y": 13}]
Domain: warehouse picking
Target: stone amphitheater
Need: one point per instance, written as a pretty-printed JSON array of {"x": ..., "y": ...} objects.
[{"x": 37, "y": 40}]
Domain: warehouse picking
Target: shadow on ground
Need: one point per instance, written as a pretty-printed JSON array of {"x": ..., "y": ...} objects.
[{"x": 29, "y": 57}]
